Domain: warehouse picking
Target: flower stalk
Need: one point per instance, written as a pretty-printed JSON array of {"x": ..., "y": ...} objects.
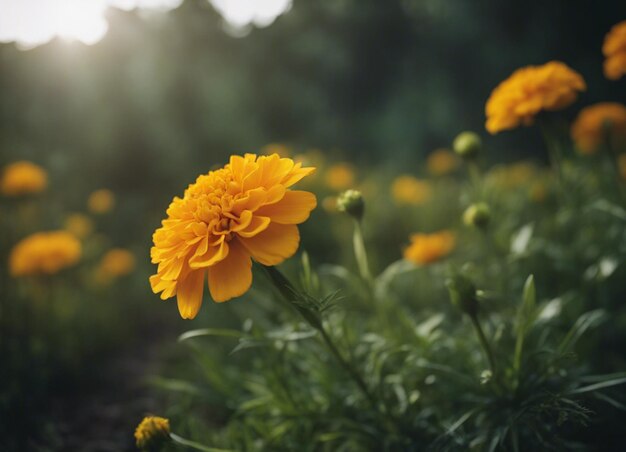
[{"x": 290, "y": 294}]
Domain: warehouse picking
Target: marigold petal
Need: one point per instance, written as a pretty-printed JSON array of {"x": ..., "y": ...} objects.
[
  {"x": 231, "y": 277},
  {"x": 294, "y": 208},
  {"x": 213, "y": 255},
  {"x": 257, "y": 225},
  {"x": 189, "y": 294},
  {"x": 272, "y": 246}
]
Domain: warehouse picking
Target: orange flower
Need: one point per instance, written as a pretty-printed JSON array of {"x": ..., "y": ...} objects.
[
  {"x": 78, "y": 224},
  {"x": 614, "y": 50},
  {"x": 441, "y": 162},
  {"x": 23, "y": 178},
  {"x": 229, "y": 215},
  {"x": 101, "y": 201},
  {"x": 115, "y": 263},
  {"x": 597, "y": 124},
  {"x": 407, "y": 189},
  {"x": 528, "y": 91},
  {"x": 340, "y": 176},
  {"x": 428, "y": 248},
  {"x": 44, "y": 253}
]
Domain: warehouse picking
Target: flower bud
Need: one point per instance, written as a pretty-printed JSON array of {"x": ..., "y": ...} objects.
[
  {"x": 351, "y": 202},
  {"x": 477, "y": 215},
  {"x": 467, "y": 145},
  {"x": 463, "y": 294},
  {"x": 152, "y": 433}
]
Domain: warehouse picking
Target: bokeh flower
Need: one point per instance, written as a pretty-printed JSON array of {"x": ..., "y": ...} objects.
[
  {"x": 530, "y": 90},
  {"x": 229, "y": 215},
  {"x": 598, "y": 124},
  {"x": 407, "y": 189},
  {"x": 340, "y": 176},
  {"x": 44, "y": 253},
  {"x": 614, "y": 50},
  {"x": 276, "y": 148},
  {"x": 152, "y": 432},
  {"x": 115, "y": 263},
  {"x": 428, "y": 248},
  {"x": 23, "y": 178},
  {"x": 79, "y": 225},
  {"x": 101, "y": 201},
  {"x": 441, "y": 162}
]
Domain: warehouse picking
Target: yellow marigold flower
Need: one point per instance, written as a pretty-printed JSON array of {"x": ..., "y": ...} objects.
[
  {"x": 329, "y": 203},
  {"x": 23, "y": 178},
  {"x": 340, "y": 176},
  {"x": 428, "y": 248},
  {"x": 79, "y": 225},
  {"x": 152, "y": 432},
  {"x": 407, "y": 189},
  {"x": 44, "y": 253},
  {"x": 441, "y": 162},
  {"x": 614, "y": 50},
  {"x": 598, "y": 124},
  {"x": 530, "y": 90},
  {"x": 115, "y": 263},
  {"x": 101, "y": 201},
  {"x": 229, "y": 215}
]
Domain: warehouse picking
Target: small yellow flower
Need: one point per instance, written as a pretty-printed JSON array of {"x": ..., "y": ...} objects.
[
  {"x": 530, "y": 90},
  {"x": 276, "y": 148},
  {"x": 614, "y": 50},
  {"x": 603, "y": 123},
  {"x": 115, "y": 263},
  {"x": 329, "y": 203},
  {"x": 44, "y": 253},
  {"x": 101, "y": 201},
  {"x": 429, "y": 248},
  {"x": 407, "y": 189},
  {"x": 241, "y": 211},
  {"x": 441, "y": 162},
  {"x": 23, "y": 178},
  {"x": 152, "y": 432},
  {"x": 79, "y": 225},
  {"x": 340, "y": 176}
]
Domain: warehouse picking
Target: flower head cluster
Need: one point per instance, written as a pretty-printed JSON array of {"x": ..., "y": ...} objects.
[
  {"x": 530, "y": 90},
  {"x": 101, "y": 201},
  {"x": 23, "y": 178},
  {"x": 614, "y": 50},
  {"x": 603, "y": 123},
  {"x": 407, "y": 189},
  {"x": 340, "y": 176},
  {"x": 152, "y": 432},
  {"x": 242, "y": 210},
  {"x": 428, "y": 248},
  {"x": 44, "y": 253},
  {"x": 115, "y": 263},
  {"x": 441, "y": 162},
  {"x": 78, "y": 224}
]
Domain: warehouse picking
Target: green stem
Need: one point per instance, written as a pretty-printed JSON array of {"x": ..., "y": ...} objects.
[
  {"x": 289, "y": 293},
  {"x": 485, "y": 344},
  {"x": 194, "y": 445},
  {"x": 360, "y": 252}
]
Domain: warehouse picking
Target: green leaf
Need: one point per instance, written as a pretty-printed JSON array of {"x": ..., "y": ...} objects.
[
  {"x": 222, "y": 332},
  {"x": 586, "y": 321}
]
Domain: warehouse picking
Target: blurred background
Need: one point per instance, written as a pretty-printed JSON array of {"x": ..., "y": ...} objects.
[{"x": 138, "y": 97}]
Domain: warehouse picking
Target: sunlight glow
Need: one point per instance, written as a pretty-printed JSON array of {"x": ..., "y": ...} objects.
[
  {"x": 243, "y": 13},
  {"x": 34, "y": 22}
]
